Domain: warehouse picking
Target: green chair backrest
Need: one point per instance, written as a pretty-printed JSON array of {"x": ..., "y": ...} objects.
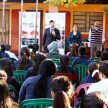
[
  {"x": 70, "y": 64},
  {"x": 95, "y": 59},
  {"x": 82, "y": 70},
  {"x": 13, "y": 91},
  {"x": 56, "y": 61},
  {"x": 13, "y": 60},
  {"x": 37, "y": 103},
  {"x": 19, "y": 75},
  {"x": 78, "y": 105}
]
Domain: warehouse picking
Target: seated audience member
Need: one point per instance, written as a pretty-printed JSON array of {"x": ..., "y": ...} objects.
[
  {"x": 6, "y": 65},
  {"x": 61, "y": 100},
  {"x": 101, "y": 86},
  {"x": 5, "y": 55},
  {"x": 53, "y": 51},
  {"x": 95, "y": 100},
  {"x": 72, "y": 52},
  {"x": 5, "y": 100},
  {"x": 62, "y": 83},
  {"x": 33, "y": 71},
  {"x": 106, "y": 49},
  {"x": 39, "y": 86},
  {"x": 76, "y": 52},
  {"x": 98, "y": 55},
  {"x": 64, "y": 65},
  {"x": 35, "y": 48},
  {"x": 0, "y": 53},
  {"x": 104, "y": 56},
  {"x": 8, "y": 51},
  {"x": 24, "y": 63},
  {"x": 93, "y": 73},
  {"x": 82, "y": 59}
]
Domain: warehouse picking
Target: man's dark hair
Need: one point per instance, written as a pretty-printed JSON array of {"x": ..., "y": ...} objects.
[
  {"x": 106, "y": 49},
  {"x": 98, "y": 53},
  {"x": 82, "y": 51},
  {"x": 104, "y": 56},
  {"x": 96, "y": 20},
  {"x": 51, "y": 21},
  {"x": 3, "y": 48},
  {"x": 8, "y": 47}
]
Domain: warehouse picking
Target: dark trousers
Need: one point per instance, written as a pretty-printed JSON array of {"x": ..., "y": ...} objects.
[
  {"x": 46, "y": 50},
  {"x": 95, "y": 47}
]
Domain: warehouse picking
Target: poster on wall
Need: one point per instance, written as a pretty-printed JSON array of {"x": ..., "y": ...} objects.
[
  {"x": 28, "y": 28},
  {"x": 59, "y": 19}
]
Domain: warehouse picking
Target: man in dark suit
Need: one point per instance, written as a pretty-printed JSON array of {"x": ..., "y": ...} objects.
[{"x": 51, "y": 34}]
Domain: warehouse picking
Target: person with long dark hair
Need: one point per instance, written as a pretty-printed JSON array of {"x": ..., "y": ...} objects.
[
  {"x": 5, "y": 99},
  {"x": 61, "y": 100},
  {"x": 62, "y": 84},
  {"x": 93, "y": 73},
  {"x": 33, "y": 71},
  {"x": 39, "y": 86},
  {"x": 7, "y": 66},
  {"x": 24, "y": 63},
  {"x": 64, "y": 65}
]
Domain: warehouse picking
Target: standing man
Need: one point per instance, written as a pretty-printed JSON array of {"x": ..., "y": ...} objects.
[
  {"x": 51, "y": 34},
  {"x": 96, "y": 38}
]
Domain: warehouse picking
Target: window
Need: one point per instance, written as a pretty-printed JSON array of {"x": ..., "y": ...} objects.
[{"x": 85, "y": 20}]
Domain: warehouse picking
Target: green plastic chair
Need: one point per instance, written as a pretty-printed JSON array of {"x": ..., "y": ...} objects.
[
  {"x": 13, "y": 60},
  {"x": 78, "y": 105},
  {"x": 56, "y": 61},
  {"x": 19, "y": 75},
  {"x": 66, "y": 44},
  {"x": 95, "y": 59},
  {"x": 37, "y": 103},
  {"x": 82, "y": 70},
  {"x": 13, "y": 91},
  {"x": 70, "y": 64}
]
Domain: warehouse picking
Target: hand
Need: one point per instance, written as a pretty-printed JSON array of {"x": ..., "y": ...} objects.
[{"x": 53, "y": 32}]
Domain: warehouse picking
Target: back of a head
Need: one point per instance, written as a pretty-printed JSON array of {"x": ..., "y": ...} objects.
[
  {"x": 25, "y": 51},
  {"x": 93, "y": 69},
  {"x": 35, "y": 47},
  {"x": 8, "y": 47},
  {"x": 39, "y": 57},
  {"x": 82, "y": 50},
  {"x": 47, "y": 69},
  {"x": 7, "y": 66},
  {"x": 3, "y": 74},
  {"x": 104, "y": 56},
  {"x": 64, "y": 84},
  {"x": 61, "y": 100},
  {"x": 73, "y": 51},
  {"x": 53, "y": 47},
  {"x": 98, "y": 53},
  {"x": 3, "y": 48},
  {"x": 23, "y": 64},
  {"x": 106, "y": 49},
  {"x": 64, "y": 60},
  {"x": 104, "y": 68},
  {"x": 94, "y": 100}
]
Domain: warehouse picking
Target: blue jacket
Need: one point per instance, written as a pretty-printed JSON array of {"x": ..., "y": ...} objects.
[
  {"x": 26, "y": 91},
  {"x": 17, "y": 62},
  {"x": 81, "y": 60},
  {"x": 5, "y": 55},
  {"x": 77, "y": 39},
  {"x": 88, "y": 79}
]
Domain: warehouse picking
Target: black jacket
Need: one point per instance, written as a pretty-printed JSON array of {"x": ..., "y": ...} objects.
[{"x": 48, "y": 37}]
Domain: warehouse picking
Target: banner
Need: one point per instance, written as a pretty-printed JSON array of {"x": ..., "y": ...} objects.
[
  {"x": 59, "y": 19},
  {"x": 28, "y": 28}
]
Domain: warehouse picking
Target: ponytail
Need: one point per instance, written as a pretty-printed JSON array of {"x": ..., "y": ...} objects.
[
  {"x": 40, "y": 88},
  {"x": 23, "y": 64},
  {"x": 96, "y": 77},
  {"x": 61, "y": 100},
  {"x": 64, "y": 62}
]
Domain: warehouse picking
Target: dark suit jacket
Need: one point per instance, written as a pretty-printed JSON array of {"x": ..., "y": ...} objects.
[{"x": 48, "y": 37}]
